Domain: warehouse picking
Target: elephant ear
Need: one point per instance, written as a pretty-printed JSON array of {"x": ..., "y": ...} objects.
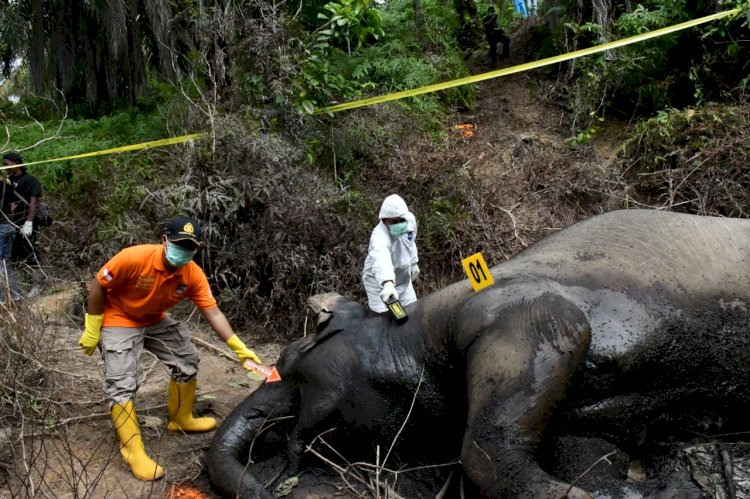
[
  {"x": 322, "y": 307},
  {"x": 328, "y": 307},
  {"x": 332, "y": 313}
]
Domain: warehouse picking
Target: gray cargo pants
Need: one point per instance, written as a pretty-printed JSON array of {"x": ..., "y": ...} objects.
[{"x": 121, "y": 349}]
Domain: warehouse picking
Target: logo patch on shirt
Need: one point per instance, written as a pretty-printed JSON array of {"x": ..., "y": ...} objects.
[
  {"x": 108, "y": 276},
  {"x": 145, "y": 282},
  {"x": 181, "y": 289},
  {"x": 410, "y": 236}
]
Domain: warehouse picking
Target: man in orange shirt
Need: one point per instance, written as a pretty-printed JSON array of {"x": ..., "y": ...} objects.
[{"x": 127, "y": 305}]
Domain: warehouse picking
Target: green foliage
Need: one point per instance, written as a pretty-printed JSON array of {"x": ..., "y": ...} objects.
[
  {"x": 635, "y": 78},
  {"x": 91, "y": 56},
  {"x": 642, "y": 61},
  {"x": 684, "y": 68},
  {"x": 724, "y": 27},
  {"x": 288, "y": 214},
  {"x": 446, "y": 211},
  {"x": 692, "y": 160},
  {"x": 363, "y": 146},
  {"x": 380, "y": 53},
  {"x": 100, "y": 203},
  {"x": 325, "y": 77},
  {"x": 276, "y": 230},
  {"x": 642, "y": 20},
  {"x": 437, "y": 29},
  {"x": 587, "y": 33},
  {"x": 347, "y": 22},
  {"x": 60, "y": 139},
  {"x": 584, "y": 136},
  {"x": 507, "y": 16}
]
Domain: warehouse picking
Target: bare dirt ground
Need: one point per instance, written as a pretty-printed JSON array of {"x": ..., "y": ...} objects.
[{"x": 77, "y": 455}]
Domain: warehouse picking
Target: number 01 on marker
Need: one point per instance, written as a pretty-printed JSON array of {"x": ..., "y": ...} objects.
[{"x": 477, "y": 270}]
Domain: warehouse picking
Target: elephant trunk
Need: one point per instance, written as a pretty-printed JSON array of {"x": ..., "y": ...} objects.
[{"x": 228, "y": 455}]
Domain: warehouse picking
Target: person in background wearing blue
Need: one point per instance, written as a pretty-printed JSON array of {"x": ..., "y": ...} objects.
[
  {"x": 391, "y": 263},
  {"x": 521, "y": 7}
]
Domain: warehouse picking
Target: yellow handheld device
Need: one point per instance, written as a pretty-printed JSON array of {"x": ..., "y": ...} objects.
[{"x": 397, "y": 311}]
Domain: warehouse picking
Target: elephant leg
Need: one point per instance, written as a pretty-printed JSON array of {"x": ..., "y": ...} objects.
[
  {"x": 518, "y": 369},
  {"x": 228, "y": 456},
  {"x": 316, "y": 405}
]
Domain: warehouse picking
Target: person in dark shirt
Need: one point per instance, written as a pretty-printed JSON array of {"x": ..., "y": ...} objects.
[
  {"x": 28, "y": 192},
  {"x": 494, "y": 34},
  {"x": 8, "y": 229}
]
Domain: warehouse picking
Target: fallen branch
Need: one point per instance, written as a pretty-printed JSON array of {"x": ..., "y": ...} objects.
[
  {"x": 216, "y": 349},
  {"x": 728, "y": 466}
]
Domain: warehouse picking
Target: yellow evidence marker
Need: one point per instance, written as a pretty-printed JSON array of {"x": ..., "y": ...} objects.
[{"x": 476, "y": 268}]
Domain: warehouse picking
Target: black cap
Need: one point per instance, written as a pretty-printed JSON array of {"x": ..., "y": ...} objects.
[
  {"x": 13, "y": 156},
  {"x": 184, "y": 229}
]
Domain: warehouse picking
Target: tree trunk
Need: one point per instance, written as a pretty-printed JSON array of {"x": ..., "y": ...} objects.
[
  {"x": 601, "y": 16},
  {"x": 36, "y": 64}
]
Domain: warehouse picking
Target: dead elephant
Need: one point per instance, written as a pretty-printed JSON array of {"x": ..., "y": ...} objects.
[{"x": 625, "y": 327}]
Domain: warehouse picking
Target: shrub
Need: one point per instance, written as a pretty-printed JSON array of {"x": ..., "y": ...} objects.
[{"x": 691, "y": 160}]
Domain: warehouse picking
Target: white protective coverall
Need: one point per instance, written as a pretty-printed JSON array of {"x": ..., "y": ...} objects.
[{"x": 391, "y": 258}]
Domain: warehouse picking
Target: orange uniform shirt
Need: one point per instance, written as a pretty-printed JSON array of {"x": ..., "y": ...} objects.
[{"x": 140, "y": 289}]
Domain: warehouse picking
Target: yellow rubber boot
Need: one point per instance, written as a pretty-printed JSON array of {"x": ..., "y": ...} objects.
[
  {"x": 180, "y": 400},
  {"x": 131, "y": 445}
]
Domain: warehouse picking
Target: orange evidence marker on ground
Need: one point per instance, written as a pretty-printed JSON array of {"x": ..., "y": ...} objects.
[
  {"x": 466, "y": 130},
  {"x": 270, "y": 373},
  {"x": 184, "y": 491}
]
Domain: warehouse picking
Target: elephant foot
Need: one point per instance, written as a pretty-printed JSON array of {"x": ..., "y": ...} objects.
[
  {"x": 286, "y": 486},
  {"x": 283, "y": 471},
  {"x": 287, "y": 478}
]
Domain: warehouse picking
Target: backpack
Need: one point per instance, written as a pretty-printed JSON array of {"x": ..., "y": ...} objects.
[{"x": 42, "y": 217}]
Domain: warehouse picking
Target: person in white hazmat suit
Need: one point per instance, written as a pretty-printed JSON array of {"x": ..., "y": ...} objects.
[{"x": 391, "y": 263}]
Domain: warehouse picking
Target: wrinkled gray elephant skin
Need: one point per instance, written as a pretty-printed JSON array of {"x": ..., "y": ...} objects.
[{"x": 615, "y": 327}]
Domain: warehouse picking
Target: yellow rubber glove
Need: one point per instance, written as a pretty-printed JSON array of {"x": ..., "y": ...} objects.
[
  {"x": 242, "y": 352},
  {"x": 91, "y": 333}
]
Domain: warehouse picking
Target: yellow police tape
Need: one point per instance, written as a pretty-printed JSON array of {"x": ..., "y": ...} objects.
[
  {"x": 426, "y": 89},
  {"x": 527, "y": 66},
  {"x": 115, "y": 150}
]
